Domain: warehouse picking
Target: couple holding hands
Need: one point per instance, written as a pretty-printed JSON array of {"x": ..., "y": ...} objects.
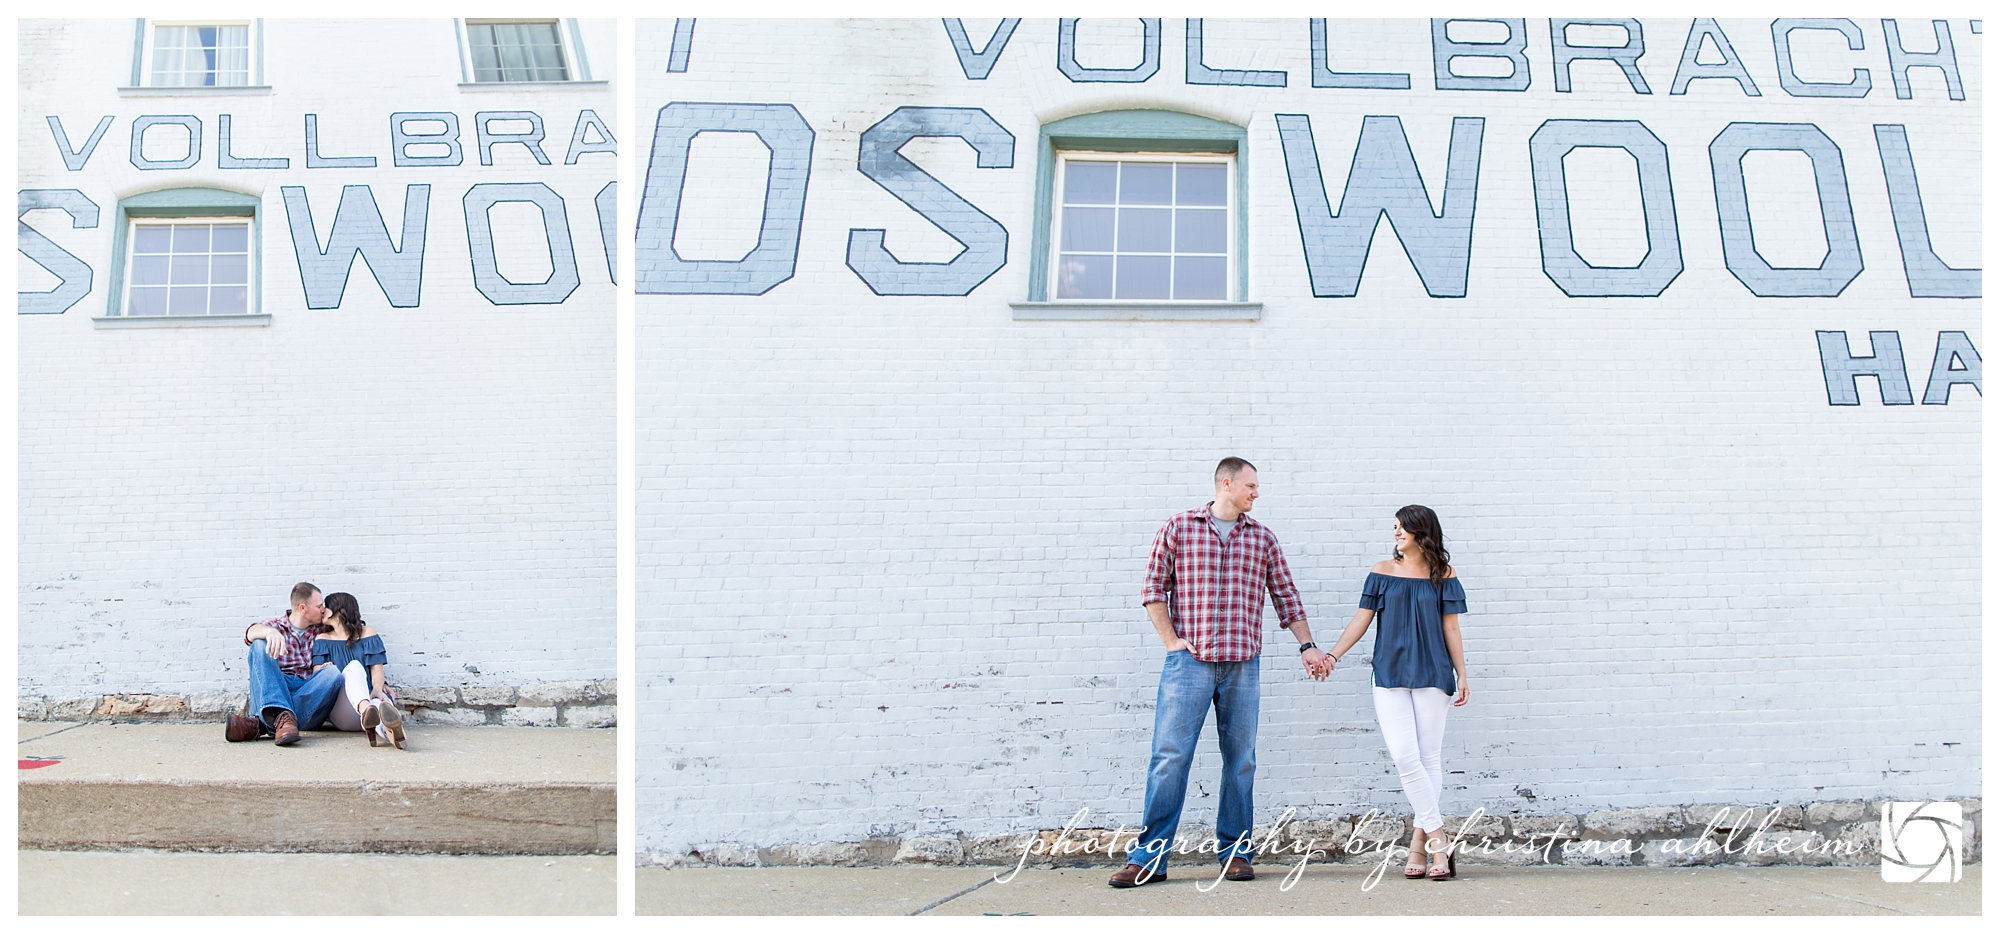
[{"x": 1205, "y": 584}]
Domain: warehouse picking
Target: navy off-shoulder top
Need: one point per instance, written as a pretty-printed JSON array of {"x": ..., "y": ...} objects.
[
  {"x": 368, "y": 651},
  {"x": 1409, "y": 630}
]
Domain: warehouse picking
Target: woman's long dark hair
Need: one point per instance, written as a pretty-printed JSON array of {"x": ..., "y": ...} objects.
[
  {"x": 348, "y": 609},
  {"x": 1419, "y": 521}
]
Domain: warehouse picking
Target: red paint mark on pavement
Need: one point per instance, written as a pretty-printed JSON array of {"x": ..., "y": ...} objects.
[{"x": 36, "y": 762}]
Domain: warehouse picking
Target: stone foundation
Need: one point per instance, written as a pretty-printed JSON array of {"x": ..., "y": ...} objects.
[
  {"x": 587, "y": 704},
  {"x": 1826, "y": 833}
]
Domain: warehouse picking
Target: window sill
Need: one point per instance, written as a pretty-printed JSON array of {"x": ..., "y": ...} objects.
[
  {"x": 1137, "y": 311},
  {"x": 183, "y": 321},
  {"x": 251, "y": 90},
  {"x": 533, "y": 85}
]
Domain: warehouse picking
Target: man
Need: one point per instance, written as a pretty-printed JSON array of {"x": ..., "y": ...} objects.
[
  {"x": 1205, "y": 586},
  {"x": 285, "y": 694}
]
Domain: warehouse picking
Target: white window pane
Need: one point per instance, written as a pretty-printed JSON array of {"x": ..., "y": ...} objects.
[
  {"x": 231, "y": 238},
  {"x": 190, "y": 238},
  {"x": 1087, "y": 229},
  {"x": 232, "y": 60},
  {"x": 1201, "y": 184},
  {"x": 149, "y": 270},
  {"x": 206, "y": 265},
  {"x": 1145, "y": 230},
  {"x": 169, "y": 46},
  {"x": 201, "y": 56},
  {"x": 189, "y": 300},
  {"x": 229, "y": 269},
  {"x": 516, "y": 52},
  {"x": 1143, "y": 276},
  {"x": 485, "y": 53},
  {"x": 513, "y": 52},
  {"x": 229, "y": 300},
  {"x": 149, "y": 302},
  {"x": 1084, "y": 277},
  {"x": 1200, "y": 277},
  {"x": 1171, "y": 240},
  {"x": 1090, "y": 183},
  {"x": 1145, "y": 183},
  {"x": 1201, "y": 231},
  {"x": 190, "y": 270}
]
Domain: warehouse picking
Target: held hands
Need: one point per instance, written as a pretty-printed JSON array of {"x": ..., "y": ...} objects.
[{"x": 1318, "y": 663}]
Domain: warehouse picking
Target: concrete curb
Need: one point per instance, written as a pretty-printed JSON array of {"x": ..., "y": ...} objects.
[
  {"x": 483, "y": 818},
  {"x": 463, "y": 790},
  {"x": 1825, "y": 833}
]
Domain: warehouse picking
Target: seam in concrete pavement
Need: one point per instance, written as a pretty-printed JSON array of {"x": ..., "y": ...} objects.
[
  {"x": 989, "y": 881},
  {"x": 49, "y": 734},
  {"x": 1827, "y": 894}
]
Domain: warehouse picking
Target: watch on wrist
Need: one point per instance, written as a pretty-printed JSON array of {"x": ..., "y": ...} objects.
[{"x": 1303, "y": 646}]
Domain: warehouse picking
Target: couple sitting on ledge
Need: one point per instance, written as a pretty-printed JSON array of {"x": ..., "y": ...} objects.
[{"x": 319, "y": 665}]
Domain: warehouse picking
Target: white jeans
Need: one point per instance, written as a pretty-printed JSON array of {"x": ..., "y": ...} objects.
[
  {"x": 1412, "y": 724},
  {"x": 344, "y": 716}
]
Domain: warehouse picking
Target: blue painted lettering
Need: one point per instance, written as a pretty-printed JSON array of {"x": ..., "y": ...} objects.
[
  {"x": 358, "y": 230},
  {"x": 984, "y": 239},
  {"x": 1732, "y": 206},
  {"x": 74, "y": 273},
  {"x": 659, "y": 271},
  {"x": 498, "y": 289},
  {"x": 1383, "y": 179},
  {"x": 1560, "y": 261}
]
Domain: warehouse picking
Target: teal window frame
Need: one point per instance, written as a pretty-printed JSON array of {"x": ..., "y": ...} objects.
[
  {"x": 1150, "y": 131},
  {"x": 185, "y": 202}
]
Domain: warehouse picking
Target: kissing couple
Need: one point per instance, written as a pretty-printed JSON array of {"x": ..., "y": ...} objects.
[
  {"x": 318, "y": 665},
  {"x": 1205, "y": 584}
]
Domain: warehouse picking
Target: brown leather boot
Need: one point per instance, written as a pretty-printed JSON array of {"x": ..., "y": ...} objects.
[
  {"x": 1239, "y": 870},
  {"x": 288, "y": 728},
  {"x": 242, "y": 728},
  {"x": 1135, "y": 875}
]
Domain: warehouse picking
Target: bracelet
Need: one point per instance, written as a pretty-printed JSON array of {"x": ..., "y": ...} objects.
[{"x": 1303, "y": 646}]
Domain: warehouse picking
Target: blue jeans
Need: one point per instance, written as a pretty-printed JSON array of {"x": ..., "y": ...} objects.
[
  {"x": 309, "y": 699},
  {"x": 1187, "y": 687}
]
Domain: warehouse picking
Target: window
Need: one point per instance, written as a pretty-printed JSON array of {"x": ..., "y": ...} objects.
[
  {"x": 185, "y": 55},
  {"x": 201, "y": 56},
  {"x": 197, "y": 266},
  {"x": 516, "y": 51},
  {"x": 185, "y": 256},
  {"x": 1143, "y": 227},
  {"x": 1139, "y": 214}
]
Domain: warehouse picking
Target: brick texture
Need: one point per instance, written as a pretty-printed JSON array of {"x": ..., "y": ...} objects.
[
  {"x": 450, "y": 463},
  {"x": 890, "y": 548}
]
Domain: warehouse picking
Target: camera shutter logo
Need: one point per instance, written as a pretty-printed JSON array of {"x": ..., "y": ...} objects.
[{"x": 1922, "y": 841}]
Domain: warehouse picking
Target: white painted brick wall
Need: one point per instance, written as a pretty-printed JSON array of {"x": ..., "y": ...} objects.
[
  {"x": 890, "y": 549},
  {"x": 451, "y": 464}
]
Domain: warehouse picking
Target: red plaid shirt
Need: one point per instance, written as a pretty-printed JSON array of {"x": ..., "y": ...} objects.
[
  {"x": 297, "y": 656},
  {"x": 1214, "y": 590}
]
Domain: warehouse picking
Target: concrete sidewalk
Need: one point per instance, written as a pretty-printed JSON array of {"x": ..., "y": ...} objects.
[
  {"x": 1320, "y": 890},
  {"x": 151, "y": 882},
  {"x": 467, "y": 790}
]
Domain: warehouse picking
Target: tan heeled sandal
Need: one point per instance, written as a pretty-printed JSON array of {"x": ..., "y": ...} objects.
[
  {"x": 371, "y": 720},
  {"x": 392, "y": 721}
]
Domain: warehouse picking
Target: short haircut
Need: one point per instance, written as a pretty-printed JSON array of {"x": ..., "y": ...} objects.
[
  {"x": 302, "y": 592},
  {"x": 1230, "y": 467}
]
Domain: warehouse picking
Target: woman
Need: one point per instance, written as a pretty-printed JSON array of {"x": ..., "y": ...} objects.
[
  {"x": 354, "y": 649},
  {"x": 1419, "y": 663}
]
